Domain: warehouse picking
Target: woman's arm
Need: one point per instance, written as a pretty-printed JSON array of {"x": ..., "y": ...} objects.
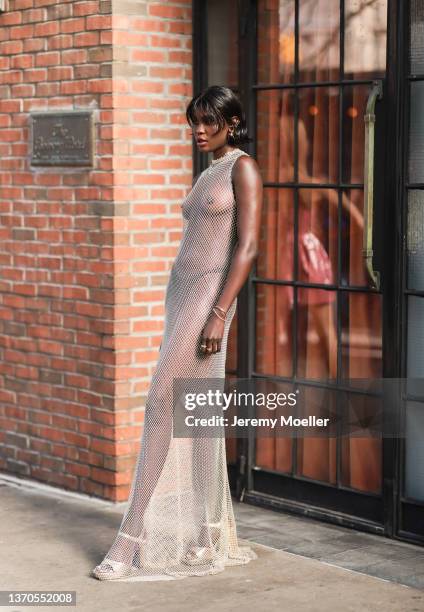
[
  {"x": 249, "y": 193},
  {"x": 248, "y": 189}
]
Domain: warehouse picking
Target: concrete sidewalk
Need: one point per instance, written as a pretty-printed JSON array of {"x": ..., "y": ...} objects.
[{"x": 50, "y": 540}]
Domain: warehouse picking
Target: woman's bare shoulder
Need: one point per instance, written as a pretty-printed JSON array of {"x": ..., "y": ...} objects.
[{"x": 245, "y": 167}]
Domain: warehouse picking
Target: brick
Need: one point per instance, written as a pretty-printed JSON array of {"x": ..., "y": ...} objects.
[
  {"x": 62, "y": 41},
  {"x": 74, "y": 56},
  {"x": 12, "y": 47},
  {"x": 34, "y": 44},
  {"x": 48, "y": 28},
  {"x": 24, "y": 31},
  {"x": 59, "y": 11},
  {"x": 11, "y": 18},
  {"x": 38, "y": 74},
  {"x": 72, "y": 25},
  {"x": 86, "y": 71},
  {"x": 100, "y": 86},
  {"x": 98, "y": 22},
  {"x": 22, "y": 61},
  {"x": 86, "y": 39},
  {"x": 86, "y": 8},
  {"x": 33, "y": 15},
  {"x": 47, "y": 59},
  {"x": 47, "y": 90},
  {"x": 11, "y": 76},
  {"x": 23, "y": 91},
  {"x": 164, "y": 10},
  {"x": 60, "y": 73},
  {"x": 100, "y": 54}
]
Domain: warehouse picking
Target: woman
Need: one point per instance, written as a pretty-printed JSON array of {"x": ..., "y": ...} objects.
[{"x": 179, "y": 520}]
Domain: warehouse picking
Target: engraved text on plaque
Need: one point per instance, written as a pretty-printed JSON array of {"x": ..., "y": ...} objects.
[{"x": 62, "y": 138}]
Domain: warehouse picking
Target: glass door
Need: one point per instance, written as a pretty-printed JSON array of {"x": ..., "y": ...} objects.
[
  {"x": 411, "y": 457},
  {"x": 320, "y": 69},
  {"x": 333, "y": 91}
]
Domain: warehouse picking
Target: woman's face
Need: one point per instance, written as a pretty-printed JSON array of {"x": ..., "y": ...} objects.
[{"x": 208, "y": 136}]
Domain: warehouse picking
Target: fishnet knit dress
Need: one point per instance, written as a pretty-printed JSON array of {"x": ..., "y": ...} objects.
[{"x": 180, "y": 495}]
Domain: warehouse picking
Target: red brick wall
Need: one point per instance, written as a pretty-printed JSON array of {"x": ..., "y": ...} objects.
[{"x": 85, "y": 254}]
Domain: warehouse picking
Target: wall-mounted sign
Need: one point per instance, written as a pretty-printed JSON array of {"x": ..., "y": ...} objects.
[{"x": 62, "y": 138}]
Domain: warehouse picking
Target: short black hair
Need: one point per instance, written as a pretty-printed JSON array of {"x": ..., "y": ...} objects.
[{"x": 216, "y": 105}]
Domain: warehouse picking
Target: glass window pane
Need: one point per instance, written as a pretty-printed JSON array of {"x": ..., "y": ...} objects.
[
  {"x": 353, "y": 269},
  {"x": 275, "y": 259},
  {"x": 414, "y": 451},
  {"x": 415, "y": 240},
  {"x": 316, "y": 455},
  {"x": 274, "y": 453},
  {"x": 275, "y": 41},
  {"x": 361, "y": 341},
  {"x": 222, "y": 25},
  {"x": 361, "y": 451},
  {"x": 317, "y": 241},
  {"x": 416, "y": 133},
  {"x": 231, "y": 361},
  {"x": 274, "y": 344},
  {"x": 316, "y": 334},
  {"x": 415, "y": 351},
  {"x": 417, "y": 37},
  {"x": 319, "y": 52},
  {"x": 354, "y": 105},
  {"x": 275, "y": 135},
  {"x": 318, "y": 135},
  {"x": 365, "y": 38}
]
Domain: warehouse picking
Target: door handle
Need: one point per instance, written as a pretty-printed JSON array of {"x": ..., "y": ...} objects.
[{"x": 369, "y": 120}]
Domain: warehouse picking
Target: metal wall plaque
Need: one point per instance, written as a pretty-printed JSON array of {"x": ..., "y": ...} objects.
[{"x": 62, "y": 138}]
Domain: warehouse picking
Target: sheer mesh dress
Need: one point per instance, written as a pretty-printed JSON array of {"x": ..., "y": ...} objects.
[{"x": 180, "y": 499}]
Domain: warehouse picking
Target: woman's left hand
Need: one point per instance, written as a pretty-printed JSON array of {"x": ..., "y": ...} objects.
[{"x": 212, "y": 335}]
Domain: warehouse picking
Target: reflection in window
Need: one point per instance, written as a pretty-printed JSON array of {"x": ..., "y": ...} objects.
[
  {"x": 414, "y": 411},
  {"x": 365, "y": 38},
  {"x": 417, "y": 37},
  {"x": 415, "y": 356},
  {"x": 275, "y": 259},
  {"x": 415, "y": 240},
  {"x": 414, "y": 451},
  {"x": 319, "y": 35},
  {"x": 276, "y": 41},
  {"x": 231, "y": 362},
  {"x": 361, "y": 341},
  {"x": 222, "y": 24},
  {"x": 318, "y": 135},
  {"x": 317, "y": 454},
  {"x": 361, "y": 450},
  {"x": 317, "y": 334},
  {"x": 354, "y": 104},
  {"x": 353, "y": 269},
  {"x": 416, "y": 133},
  {"x": 274, "y": 342},
  {"x": 317, "y": 238},
  {"x": 275, "y": 135}
]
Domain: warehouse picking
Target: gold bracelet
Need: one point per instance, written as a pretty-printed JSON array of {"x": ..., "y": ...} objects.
[
  {"x": 218, "y": 314},
  {"x": 224, "y": 312}
]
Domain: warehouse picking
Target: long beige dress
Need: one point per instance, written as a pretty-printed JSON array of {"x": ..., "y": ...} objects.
[{"x": 180, "y": 495}]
